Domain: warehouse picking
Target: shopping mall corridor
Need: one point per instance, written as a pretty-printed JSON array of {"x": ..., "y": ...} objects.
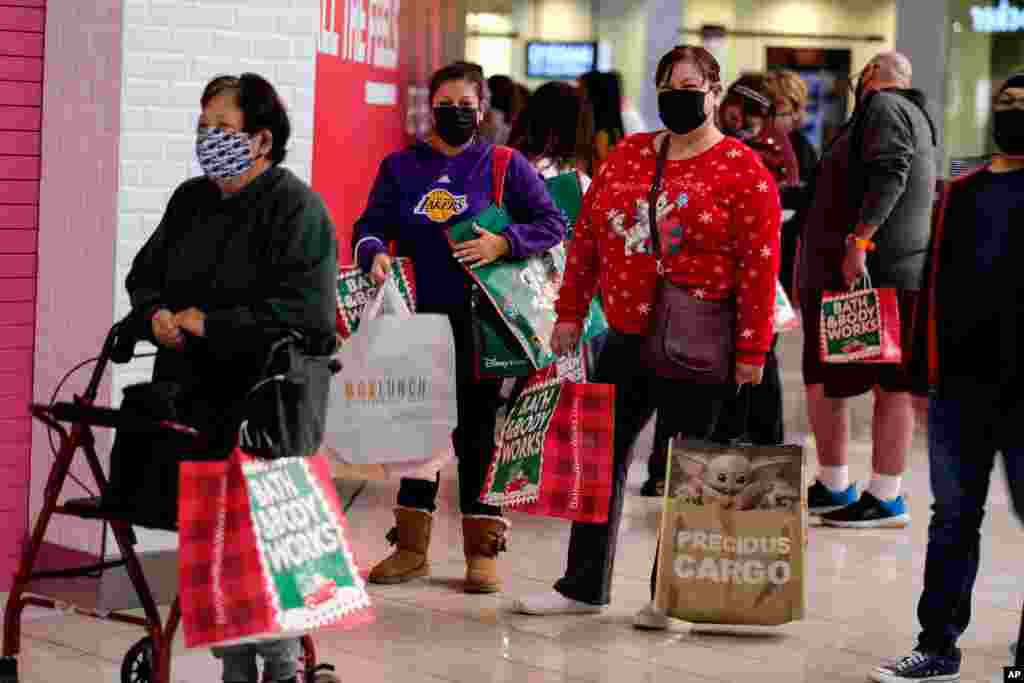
[{"x": 862, "y": 593}]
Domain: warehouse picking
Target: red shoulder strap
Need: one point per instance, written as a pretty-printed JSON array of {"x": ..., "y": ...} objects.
[{"x": 502, "y": 157}]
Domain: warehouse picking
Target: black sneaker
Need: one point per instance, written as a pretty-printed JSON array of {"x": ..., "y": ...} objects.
[
  {"x": 653, "y": 488},
  {"x": 870, "y": 513},
  {"x": 920, "y": 667},
  {"x": 821, "y": 499}
]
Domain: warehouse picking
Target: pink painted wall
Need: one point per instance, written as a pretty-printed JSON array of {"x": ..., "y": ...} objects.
[
  {"x": 77, "y": 219},
  {"x": 22, "y": 24}
]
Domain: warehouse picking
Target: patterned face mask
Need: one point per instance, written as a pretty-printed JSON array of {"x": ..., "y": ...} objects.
[{"x": 223, "y": 154}]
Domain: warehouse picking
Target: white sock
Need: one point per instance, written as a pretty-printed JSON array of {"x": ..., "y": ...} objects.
[
  {"x": 835, "y": 479},
  {"x": 885, "y": 487},
  {"x": 554, "y": 602}
]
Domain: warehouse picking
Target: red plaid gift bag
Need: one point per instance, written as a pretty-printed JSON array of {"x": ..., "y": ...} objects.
[
  {"x": 263, "y": 551},
  {"x": 555, "y": 454},
  {"x": 861, "y": 325}
]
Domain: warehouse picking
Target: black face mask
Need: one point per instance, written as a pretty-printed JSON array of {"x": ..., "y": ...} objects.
[
  {"x": 682, "y": 110},
  {"x": 1008, "y": 131},
  {"x": 456, "y": 125},
  {"x": 742, "y": 134}
]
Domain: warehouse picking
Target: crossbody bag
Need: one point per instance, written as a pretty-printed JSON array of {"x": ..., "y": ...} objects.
[{"x": 691, "y": 340}]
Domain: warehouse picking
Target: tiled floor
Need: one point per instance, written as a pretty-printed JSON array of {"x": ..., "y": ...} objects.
[
  {"x": 862, "y": 591},
  {"x": 862, "y": 588}
]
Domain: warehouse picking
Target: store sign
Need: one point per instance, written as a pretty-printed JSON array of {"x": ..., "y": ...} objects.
[
  {"x": 373, "y": 63},
  {"x": 1003, "y": 18},
  {"x": 360, "y": 31}
]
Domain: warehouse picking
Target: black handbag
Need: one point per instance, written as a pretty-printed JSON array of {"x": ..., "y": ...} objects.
[
  {"x": 284, "y": 414},
  {"x": 691, "y": 340},
  {"x": 143, "y": 484}
]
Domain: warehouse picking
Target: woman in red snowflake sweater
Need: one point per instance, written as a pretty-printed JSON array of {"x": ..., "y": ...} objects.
[{"x": 718, "y": 215}]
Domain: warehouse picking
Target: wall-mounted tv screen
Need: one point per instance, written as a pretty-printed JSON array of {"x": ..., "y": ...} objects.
[{"x": 560, "y": 60}]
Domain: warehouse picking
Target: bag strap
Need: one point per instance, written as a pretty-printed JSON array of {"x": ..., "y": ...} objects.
[
  {"x": 500, "y": 160},
  {"x": 390, "y": 294},
  {"x": 652, "y": 197},
  {"x": 863, "y": 282}
]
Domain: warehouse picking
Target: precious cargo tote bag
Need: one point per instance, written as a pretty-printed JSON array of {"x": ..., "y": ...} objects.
[{"x": 733, "y": 534}]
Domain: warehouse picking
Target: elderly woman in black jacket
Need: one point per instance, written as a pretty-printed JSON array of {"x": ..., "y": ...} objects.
[{"x": 243, "y": 254}]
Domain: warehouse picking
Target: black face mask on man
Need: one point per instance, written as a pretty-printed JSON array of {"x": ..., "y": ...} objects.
[
  {"x": 456, "y": 125},
  {"x": 1008, "y": 131},
  {"x": 682, "y": 110}
]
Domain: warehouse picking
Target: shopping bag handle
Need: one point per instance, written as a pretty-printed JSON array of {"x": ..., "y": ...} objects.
[
  {"x": 862, "y": 283},
  {"x": 744, "y": 436},
  {"x": 387, "y": 292}
]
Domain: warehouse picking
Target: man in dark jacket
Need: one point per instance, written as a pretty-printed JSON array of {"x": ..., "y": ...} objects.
[
  {"x": 967, "y": 351},
  {"x": 871, "y": 213}
]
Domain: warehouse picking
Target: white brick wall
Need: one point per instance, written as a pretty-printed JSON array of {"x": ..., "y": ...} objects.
[{"x": 171, "y": 49}]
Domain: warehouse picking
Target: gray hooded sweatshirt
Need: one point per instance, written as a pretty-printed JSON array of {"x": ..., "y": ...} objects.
[{"x": 880, "y": 170}]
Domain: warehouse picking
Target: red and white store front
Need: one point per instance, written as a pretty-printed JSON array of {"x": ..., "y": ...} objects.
[{"x": 65, "y": 136}]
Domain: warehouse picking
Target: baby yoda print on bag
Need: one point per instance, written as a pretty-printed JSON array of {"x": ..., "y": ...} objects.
[{"x": 733, "y": 534}]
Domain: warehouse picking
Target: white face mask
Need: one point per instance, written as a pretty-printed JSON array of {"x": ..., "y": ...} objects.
[{"x": 223, "y": 154}]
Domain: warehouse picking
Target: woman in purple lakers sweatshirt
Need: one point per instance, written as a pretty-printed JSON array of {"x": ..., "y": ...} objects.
[{"x": 419, "y": 193}]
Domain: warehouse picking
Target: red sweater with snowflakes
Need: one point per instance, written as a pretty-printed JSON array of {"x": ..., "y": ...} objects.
[{"x": 718, "y": 216}]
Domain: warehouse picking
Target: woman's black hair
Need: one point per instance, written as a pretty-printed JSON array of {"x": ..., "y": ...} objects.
[
  {"x": 459, "y": 71},
  {"x": 501, "y": 88},
  {"x": 261, "y": 106},
  {"x": 605, "y": 93},
  {"x": 508, "y": 97},
  {"x": 558, "y": 122}
]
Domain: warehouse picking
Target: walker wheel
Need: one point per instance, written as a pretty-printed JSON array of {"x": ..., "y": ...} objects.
[
  {"x": 324, "y": 677},
  {"x": 137, "y": 666},
  {"x": 323, "y": 673},
  {"x": 8, "y": 670}
]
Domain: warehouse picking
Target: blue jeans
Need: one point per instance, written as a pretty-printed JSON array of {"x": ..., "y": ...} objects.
[{"x": 963, "y": 439}]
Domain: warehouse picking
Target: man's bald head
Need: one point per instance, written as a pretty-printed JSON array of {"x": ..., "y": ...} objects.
[{"x": 893, "y": 69}]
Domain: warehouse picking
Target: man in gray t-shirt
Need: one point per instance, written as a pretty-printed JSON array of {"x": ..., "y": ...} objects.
[{"x": 870, "y": 213}]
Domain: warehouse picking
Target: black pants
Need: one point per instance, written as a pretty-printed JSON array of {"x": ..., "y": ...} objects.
[
  {"x": 688, "y": 409},
  {"x": 755, "y": 414},
  {"x": 473, "y": 438}
]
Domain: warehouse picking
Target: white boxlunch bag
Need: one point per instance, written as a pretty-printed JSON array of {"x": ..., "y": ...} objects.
[{"x": 394, "y": 400}]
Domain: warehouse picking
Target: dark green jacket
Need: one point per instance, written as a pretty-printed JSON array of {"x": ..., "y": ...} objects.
[{"x": 257, "y": 263}]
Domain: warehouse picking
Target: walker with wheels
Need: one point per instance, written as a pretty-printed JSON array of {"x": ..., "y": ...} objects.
[{"x": 148, "y": 660}]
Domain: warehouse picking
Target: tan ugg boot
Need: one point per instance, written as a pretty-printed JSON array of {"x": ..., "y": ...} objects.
[
  {"x": 411, "y": 538},
  {"x": 483, "y": 538}
]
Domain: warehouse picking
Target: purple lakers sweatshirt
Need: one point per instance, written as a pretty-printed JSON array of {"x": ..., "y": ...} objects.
[{"x": 419, "y": 193}]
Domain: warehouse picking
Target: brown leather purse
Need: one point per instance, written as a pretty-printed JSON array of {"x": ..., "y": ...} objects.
[{"x": 691, "y": 340}]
